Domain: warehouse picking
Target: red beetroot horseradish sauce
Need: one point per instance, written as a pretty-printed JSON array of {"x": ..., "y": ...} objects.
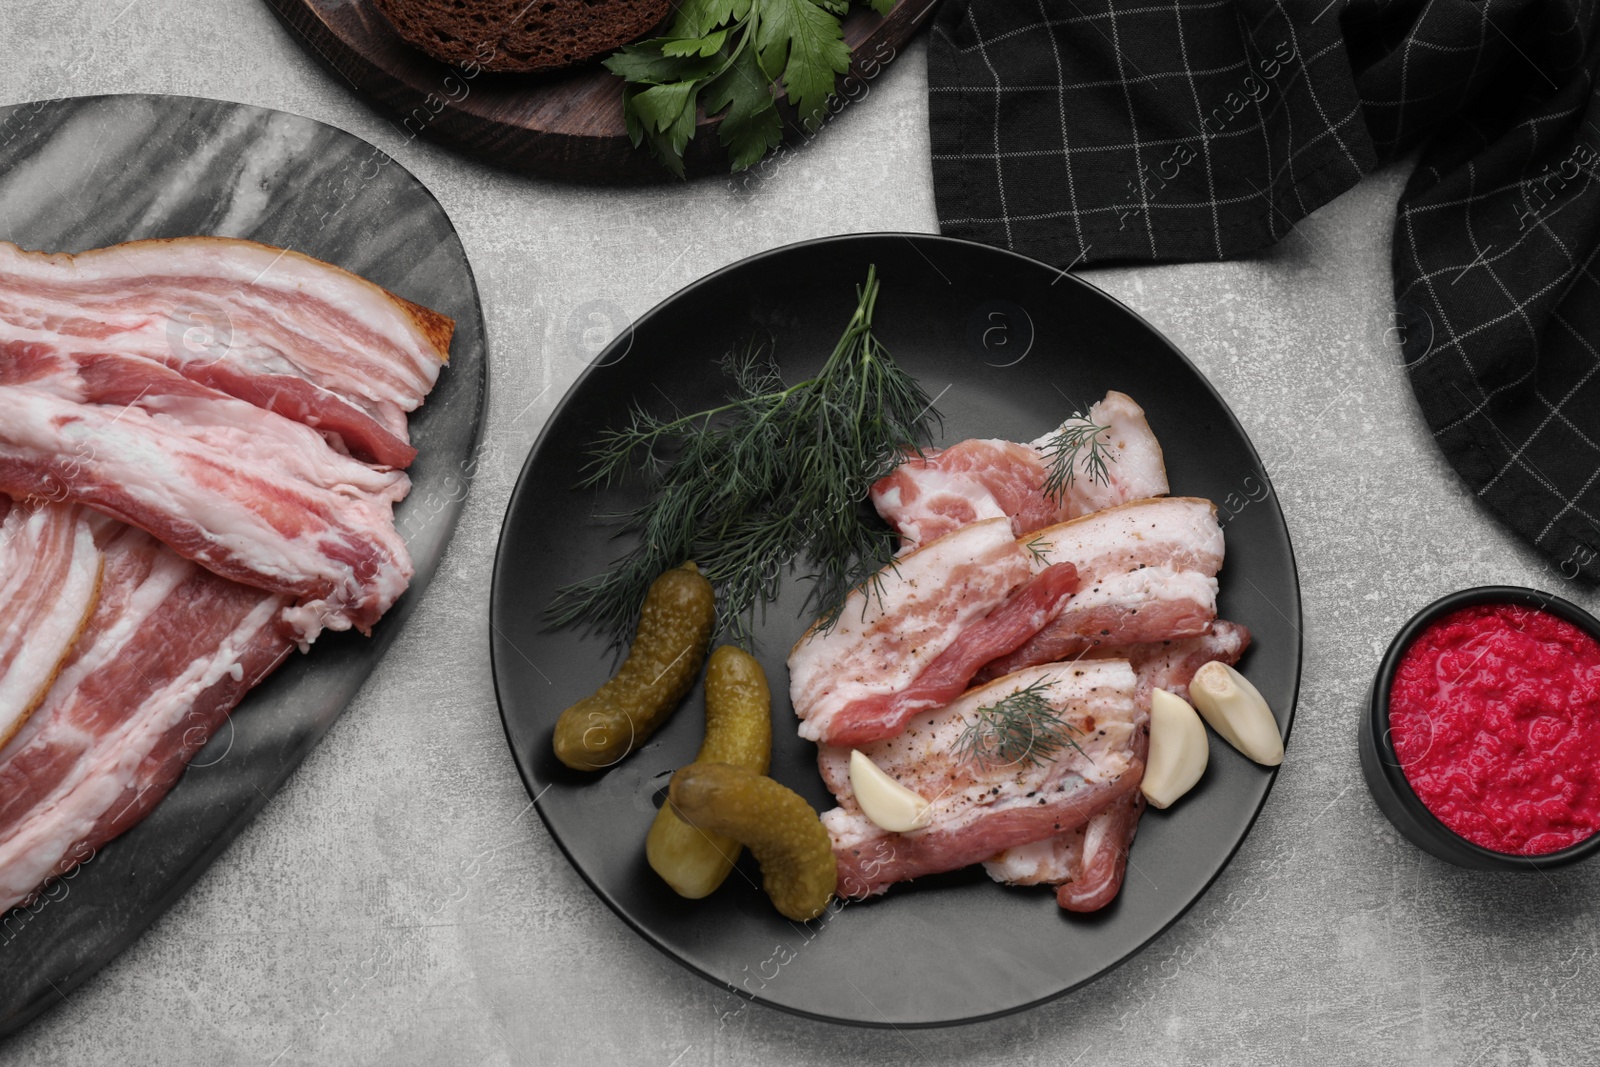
[{"x": 1494, "y": 713}]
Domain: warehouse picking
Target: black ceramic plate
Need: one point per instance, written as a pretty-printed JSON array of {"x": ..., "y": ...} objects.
[
  {"x": 1009, "y": 346},
  {"x": 82, "y": 173}
]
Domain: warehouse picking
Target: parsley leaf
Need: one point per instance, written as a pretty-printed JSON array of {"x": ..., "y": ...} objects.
[
  {"x": 752, "y": 126},
  {"x": 803, "y": 42},
  {"x": 733, "y": 56}
]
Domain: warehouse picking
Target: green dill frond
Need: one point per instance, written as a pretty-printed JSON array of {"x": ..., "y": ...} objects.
[
  {"x": 1022, "y": 727},
  {"x": 772, "y": 480},
  {"x": 1076, "y": 445}
]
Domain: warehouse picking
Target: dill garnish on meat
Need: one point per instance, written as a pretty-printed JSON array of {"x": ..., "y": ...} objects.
[
  {"x": 1076, "y": 445},
  {"x": 1020, "y": 728},
  {"x": 772, "y": 479}
]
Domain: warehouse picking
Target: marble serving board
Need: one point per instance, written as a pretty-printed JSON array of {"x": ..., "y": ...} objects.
[{"x": 81, "y": 173}]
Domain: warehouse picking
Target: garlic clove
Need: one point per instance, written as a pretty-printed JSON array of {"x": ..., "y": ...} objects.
[
  {"x": 1236, "y": 710},
  {"x": 885, "y": 801},
  {"x": 1179, "y": 749}
]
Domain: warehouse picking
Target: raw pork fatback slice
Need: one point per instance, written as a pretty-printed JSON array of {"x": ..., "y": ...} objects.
[
  {"x": 1018, "y": 618},
  {"x": 1170, "y": 665},
  {"x": 49, "y": 584},
  {"x": 1146, "y": 570},
  {"x": 245, "y": 493},
  {"x": 980, "y": 808},
  {"x": 1088, "y": 865},
  {"x": 941, "y": 490},
  {"x": 270, "y": 326},
  {"x": 168, "y": 651},
  {"x": 893, "y": 628}
]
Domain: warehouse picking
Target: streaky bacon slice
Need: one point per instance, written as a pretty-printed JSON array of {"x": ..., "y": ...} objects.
[
  {"x": 1088, "y": 865},
  {"x": 979, "y": 810},
  {"x": 1134, "y": 465},
  {"x": 941, "y": 490},
  {"x": 246, "y": 493},
  {"x": 1018, "y": 618},
  {"x": 1147, "y": 572},
  {"x": 1103, "y": 863},
  {"x": 49, "y": 584},
  {"x": 272, "y": 327},
  {"x": 894, "y": 627},
  {"x": 1170, "y": 665},
  {"x": 168, "y": 651}
]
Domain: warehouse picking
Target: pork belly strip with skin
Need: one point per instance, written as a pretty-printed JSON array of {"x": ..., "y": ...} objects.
[
  {"x": 979, "y": 809},
  {"x": 275, "y": 328},
  {"x": 891, "y": 630},
  {"x": 1171, "y": 665},
  {"x": 169, "y": 649},
  {"x": 1088, "y": 866},
  {"x": 941, "y": 490},
  {"x": 50, "y": 570},
  {"x": 250, "y": 495},
  {"x": 1019, "y": 617},
  {"x": 1147, "y": 572}
]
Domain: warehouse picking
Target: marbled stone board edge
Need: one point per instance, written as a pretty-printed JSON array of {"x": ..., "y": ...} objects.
[{"x": 84, "y": 172}]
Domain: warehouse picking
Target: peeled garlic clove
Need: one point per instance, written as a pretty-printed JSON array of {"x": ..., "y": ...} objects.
[
  {"x": 885, "y": 801},
  {"x": 1237, "y": 711},
  {"x": 1179, "y": 749}
]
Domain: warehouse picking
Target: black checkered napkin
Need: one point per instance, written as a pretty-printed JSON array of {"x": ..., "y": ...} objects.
[{"x": 1100, "y": 130}]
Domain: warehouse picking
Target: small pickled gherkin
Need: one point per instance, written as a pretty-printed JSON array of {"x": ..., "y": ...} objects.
[
  {"x": 773, "y": 821},
  {"x": 693, "y": 861},
  {"x": 668, "y": 649}
]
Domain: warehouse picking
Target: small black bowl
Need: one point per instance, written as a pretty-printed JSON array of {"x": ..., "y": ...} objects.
[{"x": 1390, "y": 788}]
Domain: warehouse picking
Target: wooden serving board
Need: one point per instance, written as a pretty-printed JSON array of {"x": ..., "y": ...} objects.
[{"x": 566, "y": 125}]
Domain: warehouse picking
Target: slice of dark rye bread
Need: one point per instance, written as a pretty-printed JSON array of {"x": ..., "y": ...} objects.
[{"x": 519, "y": 35}]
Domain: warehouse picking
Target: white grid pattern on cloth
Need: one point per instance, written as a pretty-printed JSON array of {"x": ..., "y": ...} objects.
[
  {"x": 1066, "y": 140},
  {"x": 1147, "y": 202},
  {"x": 1496, "y": 256},
  {"x": 1555, "y": 409},
  {"x": 1050, "y": 24},
  {"x": 1133, "y": 128},
  {"x": 999, "y": 166},
  {"x": 1205, "y": 142}
]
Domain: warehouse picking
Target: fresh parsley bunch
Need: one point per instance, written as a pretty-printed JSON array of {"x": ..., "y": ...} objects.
[{"x": 731, "y": 56}]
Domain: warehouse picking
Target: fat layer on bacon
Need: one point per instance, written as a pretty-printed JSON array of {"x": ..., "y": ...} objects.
[
  {"x": 1088, "y": 865},
  {"x": 891, "y": 629},
  {"x": 1147, "y": 572},
  {"x": 169, "y": 649},
  {"x": 979, "y": 808},
  {"x": 270, "y": 326},
  {"x": 1171, "y": 665},
  {"x": 249, "y": 495},
  {"x": 49, "y": 584},
  {"x": 1017, "y": 618}
]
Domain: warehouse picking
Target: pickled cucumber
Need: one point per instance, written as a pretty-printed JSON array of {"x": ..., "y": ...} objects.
[
  {"x": 774, "y": 822},
  {"x": 674, "y": 633},
  {"x": 738, "y": 731}
]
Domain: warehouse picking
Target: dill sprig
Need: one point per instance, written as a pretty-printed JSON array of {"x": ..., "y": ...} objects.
[
  {"x": 1077, "y": 444},
  {"x": 1020, "y": 727},
  {"x": 775, "y": 475}
]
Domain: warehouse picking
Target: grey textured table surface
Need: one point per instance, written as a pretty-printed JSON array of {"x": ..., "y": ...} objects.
[{"x": 399, "y": 903}]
